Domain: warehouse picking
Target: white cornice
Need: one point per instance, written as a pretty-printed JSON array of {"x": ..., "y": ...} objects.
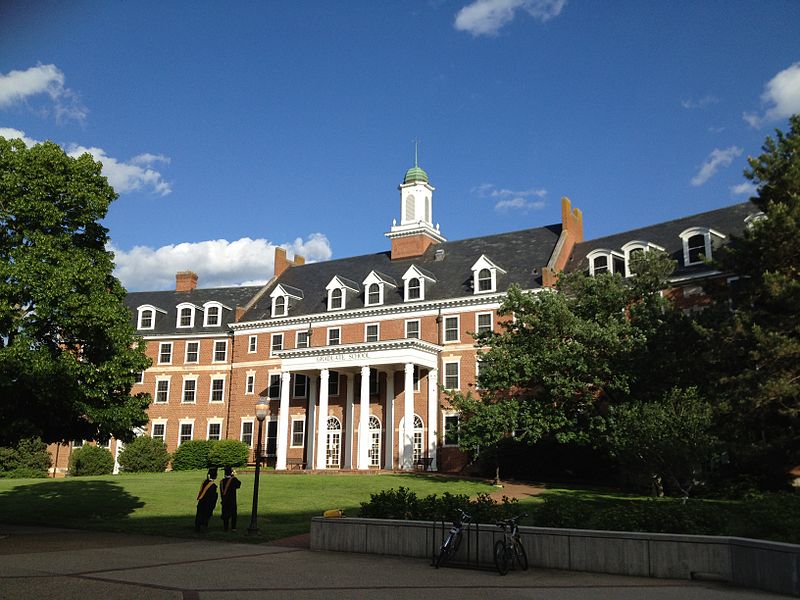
[{"x": 402, "y": 344}]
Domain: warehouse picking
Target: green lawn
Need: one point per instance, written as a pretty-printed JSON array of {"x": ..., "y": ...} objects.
[{"x": 164, "y": 503}]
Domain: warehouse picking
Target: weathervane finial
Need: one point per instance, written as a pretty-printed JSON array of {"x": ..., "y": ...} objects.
[{"x": 416, "y": 151}]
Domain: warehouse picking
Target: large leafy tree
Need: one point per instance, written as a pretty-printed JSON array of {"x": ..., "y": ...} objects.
[
  {"x": 758, "y": 354},
  {"x": 68, "y": 353}
]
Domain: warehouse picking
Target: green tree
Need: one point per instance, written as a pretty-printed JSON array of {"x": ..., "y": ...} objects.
[
  {"x": 758, "y": 353},
  {"x": 68, "y": 353},
  {"x": 91, "y": 460}
]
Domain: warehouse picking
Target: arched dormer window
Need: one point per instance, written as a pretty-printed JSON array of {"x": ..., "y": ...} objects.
[
  {"x": 484, "y": 275},
  {"x": 698, "y": 244},
  {"x": 414, "y": 282},
  {"x": 212, "y": 312},
  {"x": 185, "y": 315},
  {"x": 280, "y": 307},
  {"x": 605, "y": 261},
  {"x": 632, "y": 248},
  {"x": 751, "y": 220},
  {"x": 340, "y": 292},
  {"x": 373, "y": 294},
  {"x": 282, "y": 297},
  {"x": 337, "y": 300},
  {"x": 375, "y": 286},
  {"x": 147, "y": 315}
]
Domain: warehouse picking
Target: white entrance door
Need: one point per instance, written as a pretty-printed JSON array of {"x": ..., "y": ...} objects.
[
  {"x": 334, "y": 446},
  {"x": 374, "y": 451}
]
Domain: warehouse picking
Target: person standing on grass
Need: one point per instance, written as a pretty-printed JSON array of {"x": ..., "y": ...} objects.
[
  {"x": 227, "y": 491},
  {"x": 206, "y": 501}
]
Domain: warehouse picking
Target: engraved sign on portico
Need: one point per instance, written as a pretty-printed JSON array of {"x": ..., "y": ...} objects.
[{"x": 345, "y": 357}]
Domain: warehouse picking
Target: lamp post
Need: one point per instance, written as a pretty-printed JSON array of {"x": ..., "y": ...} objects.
[{"x": 261, "y": 414}]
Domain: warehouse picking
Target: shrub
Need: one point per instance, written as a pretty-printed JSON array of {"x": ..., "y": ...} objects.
[
  {"x": 229, "y": 453},
  {"x": 144, "y": 455},
  {"x": 23, "y": 473},
  {"x": 192, "y": 454},
  {"x": 404, "y": 504},
  {"x": 29, "y": 458},
  {"x": 91, "y": 460}
]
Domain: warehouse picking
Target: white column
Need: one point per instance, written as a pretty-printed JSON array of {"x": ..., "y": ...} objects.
[
  {"x": 283, "y": 423},
  {"x": 348, "y": 422},
  {"x": 363, "y": 421},
  {"x": 312, "y": 421},
  {"x": 433, "y": 414},
  {"x": 322, "y": 428},
  {"x": 408, "y": 418},
  {"x": 388, "y": 442}
]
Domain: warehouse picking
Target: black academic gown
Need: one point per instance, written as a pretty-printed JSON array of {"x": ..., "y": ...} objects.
[
  {"x": 206, "y": 501},
  {"x": 227, "y": 491}
]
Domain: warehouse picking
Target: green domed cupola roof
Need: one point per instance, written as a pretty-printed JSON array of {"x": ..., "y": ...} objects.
[{"x": 415, "y": 174}]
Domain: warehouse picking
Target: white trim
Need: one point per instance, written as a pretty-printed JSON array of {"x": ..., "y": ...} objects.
[
  {"x": 214, "y": 351},
  {"x": 482, "y": 314},
  {"x": 629, "y": 247},
  {"x": 158, "y": 378},
  {"x": 484, "y": 264},
  {"x": 328, "y": 336},
  {"x": 366, "y": 333},
  {"x": 209, "y": 423},
  {"x": 419, "y": 329},
  {"x": 272, "y": 338},
  {"x": 706, "y": 232},
  {"x": 609, "y": 255},
  {"x": 297, "y": 338},
  {"x": 181, "y": 423},
  {"x": 444, "y": 329},
  {"x": 252, "y": 421},
  {"x": 451, "y": 361},
  {"x": 153, "y": 310},
  {"x": 252, "y": 348},
  {"x": 183, "y": 389},
  {"x": 212, "y": 379},
  {"x": 192, "y": 309},
  {"x": 162, "y": 422},
  {"x": 171, "y": 348},
  {"x": 445, "y": 415},
  {"x": 296, "y": 419},
  {"x": 250, "y": 383},
  {"x": 186, "y": 360},
  {"x": 209, "y": 305}
]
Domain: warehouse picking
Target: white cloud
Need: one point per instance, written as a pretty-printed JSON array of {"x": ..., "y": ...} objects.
[
  {"x": 744, "y": 189},
  {"x": 781, "y": 97},
  {"x": 507, "y": 199},
  {"x": 714, "y": 161},
  {"x": 130, "y": 176},
  {"x": 700, "y": 103},
  {"x": 518, "y": 203},
  {"x": 17, "y": 87},
  {"x": 217, "y": 262},
  {"x": 12, "y": 134},
  {"x": 487, "y": 17}
]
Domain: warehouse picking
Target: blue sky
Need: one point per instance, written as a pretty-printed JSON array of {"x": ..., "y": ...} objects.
[{"x": 229, "y": 128}]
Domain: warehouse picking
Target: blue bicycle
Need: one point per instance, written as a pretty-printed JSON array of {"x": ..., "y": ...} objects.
[{"x": 453, "y": 540}]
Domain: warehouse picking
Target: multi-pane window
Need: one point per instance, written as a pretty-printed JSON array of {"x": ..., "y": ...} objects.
[
  {"x": 274, "y": 386},
  {"x": 334, "y": 336},
  {"x": 483, "y": 323},
  {"x": 414, "y": 289},
  {"x": 412, "y": 329},
  {"x": 185, "y": 432},
  {"x": 146, "y": 319},
  {"x": 371, "y": 333},
  {"x": 185, "y": 317},
  {"x": 600, "y": 264},
  {"x": 214, "y": 431},
  {"x": 220, "y": 350},
  {"x": 374, "y": 294},
  {"x": 252, "y": 344},
  {"x": 247, "y": 432},
  {"x": 484, "y": 280},
  {"x": 298, "y": 433},
  {"x": 192, "y": 351},
  {"x": 336, "y": 298},
  {"x": 697, "y": 248},
  {"x": 159, "y": 431},
  {"x": 165, "y": 353},
  {"x": 300, "y": 386},
  {"x": 333, "y": 383},
  {"x": 277, "y": 342},
  {"x": 139, "y": 377},
  {"x": 250, "y": 384},
  {"x": 162, "y": 391},
  {"x": 189, "y": 390},
  {"x": 451, "y": 379},
  {"x": 280, "y": 306},
  {"x": 302, "y": 339},
  {"x": 451, "y": 329},
  {"x": 212, "y": 316},
  {"x": 451, "y": 430},
  {"x": 217, "y": 389}
]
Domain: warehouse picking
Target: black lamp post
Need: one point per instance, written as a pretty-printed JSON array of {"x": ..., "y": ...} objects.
[{"x": 261, "y": 414}]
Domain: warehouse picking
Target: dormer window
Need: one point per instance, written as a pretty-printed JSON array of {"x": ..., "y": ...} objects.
[
  {"x": 751, "y": 220},
  {"x": 484, "y": 275},
  {"x": 697, "y": 244},
  {"x": 212, "y": 314},
  {"x": 373, "y": 294},
  {"x": 146, "y": 318},
  {"x": 634, "y": 247},
  {"x": 340, "y": 290},
  {"x": 282, "y": 298},
  {"x": 605, "y": 261},
  {"x": 185, "y": 315},
  {"x": 415, "y": 280}
]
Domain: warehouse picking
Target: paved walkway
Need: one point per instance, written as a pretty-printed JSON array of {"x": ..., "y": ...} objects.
[{"x": 45, "y": 563}]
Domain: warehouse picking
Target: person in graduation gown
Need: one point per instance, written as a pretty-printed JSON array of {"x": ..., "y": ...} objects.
[
  {"x": 227, "y": 494},
  {"x": 206, "y": 500}
]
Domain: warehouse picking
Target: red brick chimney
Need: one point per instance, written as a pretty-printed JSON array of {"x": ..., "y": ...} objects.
[
  {"x": 185, "y": 281},
  {"x": 282, "y": 263},
  {"x": 571, "y": 234}
]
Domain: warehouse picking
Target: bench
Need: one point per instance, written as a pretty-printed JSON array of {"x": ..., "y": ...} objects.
[
  {"x": 295, "y": 463},
  {"x": 423, "y": 464}
]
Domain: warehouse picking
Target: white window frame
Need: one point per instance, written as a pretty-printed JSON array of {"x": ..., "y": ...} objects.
[
  {"x": 186, "y": 379},
  {"x": 414, "y": 273},
  {"x": 155, "y": 388},
  {"x": 367, "y": 294},
  {"x": 252, "y": 344},
  {"x": 214, "y": 351},
  {"x": 445, "y": 363},
  {"x": 292, "y": 432},
  {"x": 251, "y": 422},
  {"x": 457, "y": 318},
  {"x": 217, "y": 377},
  {"x": 377, "y": 327},
  {"x": 297, "y": 335},
  {"x": 484, "y": 264},
  {"x": 707, "y": 233},
  {"x": 341, "y": 298},
  {"x": 339, "y": 336},
  {"x": 146, "y": 308},
  {"x": 628, "y": 249},
  {"x": 186, "y": 352},
  {"x": 161, "y": 347},
  {"x": 610, "y": 255},
  {"x": 273, "y": 338},
  {"x": 211, "y": 422},
  {"x": 477, "y": 321},
  {"x": 180, "y": 308},
  {"x": 206, "y": 310},
  {"x": 283, "y": 309},
  {"x": 139, "y": 377},
  {"x": 250, "y": 383},
  {"x": 445, "y": 417},
  {"x": 181, "y": 423},
  {"x": 419, "y": 329},
  {"x": 162, "y": 423}
]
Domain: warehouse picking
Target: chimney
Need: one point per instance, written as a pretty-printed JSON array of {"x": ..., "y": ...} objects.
[
  {"x": 571, "y": 234},
  {"x": 282, "y": 263},
  {"x": 185, "y": 281}
]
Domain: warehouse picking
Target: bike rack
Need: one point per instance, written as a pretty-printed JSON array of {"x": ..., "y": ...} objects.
[{"x": 467, "y": 556}]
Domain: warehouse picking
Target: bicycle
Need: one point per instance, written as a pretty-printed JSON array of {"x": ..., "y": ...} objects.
[
  {"x": 510, "y": 549},
  {"x": 453, "y": 540}
]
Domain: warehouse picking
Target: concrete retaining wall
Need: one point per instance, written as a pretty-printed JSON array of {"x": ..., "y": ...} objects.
[{"x": 771, "y": 566}]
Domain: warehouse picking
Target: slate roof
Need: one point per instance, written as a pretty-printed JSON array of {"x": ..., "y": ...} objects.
[
  {"x": 169, "y": 300},
  {"x": 728, "y": 220},
  {"x": 522, "y": 254}
]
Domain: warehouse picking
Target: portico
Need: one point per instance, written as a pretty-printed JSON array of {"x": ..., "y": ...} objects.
[{"x": 395, "y": 448}]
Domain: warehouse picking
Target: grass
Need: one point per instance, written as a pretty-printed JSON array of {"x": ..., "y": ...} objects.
[{"x": 164, "y": 503}]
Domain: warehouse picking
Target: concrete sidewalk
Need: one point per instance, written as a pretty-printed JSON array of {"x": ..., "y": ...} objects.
[{"x": 38, "y": 562}]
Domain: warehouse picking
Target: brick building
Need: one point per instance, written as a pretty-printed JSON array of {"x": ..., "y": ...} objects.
[{"x": 350, "y": 354}]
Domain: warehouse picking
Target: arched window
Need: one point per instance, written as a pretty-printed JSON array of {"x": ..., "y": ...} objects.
[
  {"x": 600, "y": 264},
  {"x": 409, "y": 208},
  {"x": 374, "y": 451},
  {"x": 336, "y": 299},
  {"x": 414, "y": 289},
  {"x": 374, "y": 294},
  {"x": 212, "y": 315},
  {"x": 696, "y": 247},
  {"x": 333, "y": 449},
  {"x": 280, "y": 306},
  {"x": 484, "y": 280},
  {"x": 146, "y": 319},
  {"x": 418, "y": 430}
]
